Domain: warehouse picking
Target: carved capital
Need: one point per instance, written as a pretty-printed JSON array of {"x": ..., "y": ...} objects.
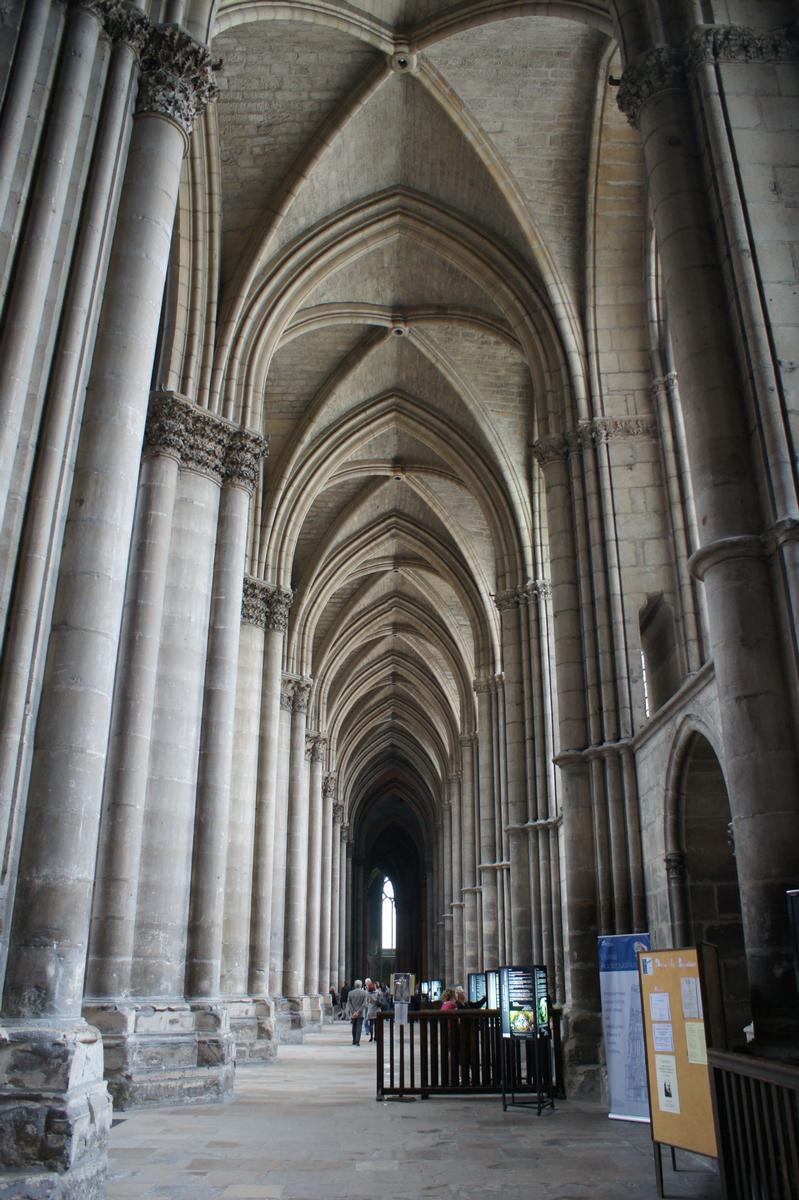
[
  {"x": 265, "y": 605},
  {"x": 287, "y": 694},
  {"x": 552, "y": 448},
  {"x": 243, "y": 455},
  {"x": 512, "y": 598},
  {"x": 302, "y": 695},
  {"x": 601, "y": 430},
  {"x": 315, "y": 749},
  {"x": 484, "y": 683},
  {"x": 329, "y": 787},
  {"x": 740, "y": 43},
  {"x": 205, "y": 444},
  {"x": 124, "y": 24},
  {"x": 169, "y": 417},
  {"x": 277, "y": 602},
  {"x": 454, "y": 776},
  {"x": 659, "y": 70},
  {"x": 675, "y": 865},
  {"x": 176, "y": 78},
  {"x": 338, "y": 815},
  {"x": 467, "y": 739}
]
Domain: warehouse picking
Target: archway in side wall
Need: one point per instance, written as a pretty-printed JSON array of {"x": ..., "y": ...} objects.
[{"x": 709, "y": 908}]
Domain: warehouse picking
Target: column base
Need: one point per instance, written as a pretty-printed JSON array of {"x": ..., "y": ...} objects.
[
  {"x": 293, "y": 1017},
  {"x": 327, "y": 1008},
  {"x": 165, "y": 1053},
  {"x": 585, "y": 1077},
  {"x": 252, "y": 1025},
  {"x": 55, "y": 1111},
  {"x": 315, "y": 1013}
]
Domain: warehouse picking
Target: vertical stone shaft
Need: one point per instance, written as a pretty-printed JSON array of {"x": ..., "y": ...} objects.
[
  {"x": 446, "y": 872},
  {"x": 165, "y": 881},
  {"x": 347, "y": 953},
  {"x": 116, "y": 888},
  {"x": 242, "y": 456},
  {"x": 297, "y": 848},
  {"x": 28, "y": 294},
  {"x": 513, "y": 608},
  {"x": 19, "y": 93},
  {"x": 51, "y": 926},
  {"x": 276, "y": 939},
  {"x": 335, "y": 900},
  {"x": 243, "y": 792},
  {"x": 456, "y": 905},
  {"x": 314, "y": 858},
  {"x": 488, "y": 832},
  {"x": 757, "y": 730},
  {"x": 471, "y": 958},
  {"x": 273, "y": 604},
  {"x": 24, "y": 646},
  {"x": 326, "y": 895}
]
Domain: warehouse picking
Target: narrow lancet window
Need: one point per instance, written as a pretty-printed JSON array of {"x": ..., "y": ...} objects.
[{"x": 389, "y": 916}]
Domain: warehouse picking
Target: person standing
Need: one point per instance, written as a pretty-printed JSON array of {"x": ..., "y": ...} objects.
[
  {"x": 356, "y": 1000},
  {"x": 374, "y": 1005}
]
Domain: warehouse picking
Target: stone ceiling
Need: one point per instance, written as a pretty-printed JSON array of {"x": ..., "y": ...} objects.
[{"x": 404, "y": 204}]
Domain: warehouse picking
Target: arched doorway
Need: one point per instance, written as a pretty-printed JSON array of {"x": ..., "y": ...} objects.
[{"x": 704, "y": 895}]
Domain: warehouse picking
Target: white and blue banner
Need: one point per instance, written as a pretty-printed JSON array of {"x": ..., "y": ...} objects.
[{"x": 623, "y": 1025}]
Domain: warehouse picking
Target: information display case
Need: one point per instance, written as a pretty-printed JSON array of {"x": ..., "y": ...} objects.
[
  {"x": 525, "y": 1025},
  {"x": 492, "y": 989}
]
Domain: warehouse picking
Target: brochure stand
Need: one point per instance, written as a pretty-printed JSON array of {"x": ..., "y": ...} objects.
[
  {"x": 525, "y": 1021},
  {"x": 683, "y": 1014}
]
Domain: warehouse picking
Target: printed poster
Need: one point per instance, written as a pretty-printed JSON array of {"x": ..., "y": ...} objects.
[
  {"x": 623, "y": 1025},
  {"x": 666, "y": 1076}
]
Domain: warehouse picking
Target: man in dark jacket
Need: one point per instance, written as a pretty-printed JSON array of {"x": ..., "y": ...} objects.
[{"x": 356, "y": 1002}]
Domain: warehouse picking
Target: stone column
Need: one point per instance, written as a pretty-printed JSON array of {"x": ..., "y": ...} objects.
[
  {"x": 317, "y": 747},
  {"x": 343, "y": 903},
  {"x": 345, "y": 938},
  {"x": 738, "y": 542},
  {"x": 276, "y": 939},
  {"x": 488, "y": 830},
  {"x": 296, "y": 863},
  {"x": 44, "y": 984},
  {"x": 272, "y": 611},
  {"x": 471, "y": 955},
  {"x": 27, "y": 296},
  {"x": 326, "y": 898},
  {"x": 119, "y": 855},
  {"x": 336, "y": 932},
  {"x": 243, "y": 453},
  {"x": 456, "y": 904},
  {"x": 446, "y": 874}
]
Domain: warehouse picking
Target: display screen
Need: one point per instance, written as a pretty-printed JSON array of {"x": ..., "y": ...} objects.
[
  {"x": 492, "y": 989},
  {"x": 436, "y": 988},
  {"x": 477, "y": 987}
]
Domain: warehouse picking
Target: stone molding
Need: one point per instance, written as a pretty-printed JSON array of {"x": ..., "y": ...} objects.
[
  {"x": 176, "y": 78},
  {"x": 338, "y": 815},
  {"x": 596, "y": 432},
  {"x": 329, "y": 785},
  {"x": 665, "y": 67},
  {"x": 484, "y": 683},
  {"x": 454, "y": 776},
  {"x": 265, "y": 605},
  {"x": 746, "y": 545},
  {"x": 675, "y": 864},
  {"x": 467, "y": 739},
  {"x": 446, "y": 806},
  {"x": 200, "y": 441}
]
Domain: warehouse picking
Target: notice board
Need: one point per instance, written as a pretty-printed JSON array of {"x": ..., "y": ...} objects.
[{"x": 681, "y": 1005}]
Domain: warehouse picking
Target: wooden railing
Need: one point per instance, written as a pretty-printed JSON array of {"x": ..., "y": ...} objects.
[
  {"x": 756, "y": 1111},
  {"x": 451, "y": 1053}
]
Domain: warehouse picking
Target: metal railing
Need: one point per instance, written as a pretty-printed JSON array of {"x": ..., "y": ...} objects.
[
  {"x": 756, "y": 1113},
  {"x": 451, "y": 1053}
]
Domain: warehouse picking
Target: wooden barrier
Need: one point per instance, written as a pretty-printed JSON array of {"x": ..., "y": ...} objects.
[
  {"x": 756, "y": 1114},
  {"x": 451, "y": 1053}
]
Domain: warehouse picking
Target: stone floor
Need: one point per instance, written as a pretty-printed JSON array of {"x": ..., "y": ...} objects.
[{"x": 308, "y": 1128}]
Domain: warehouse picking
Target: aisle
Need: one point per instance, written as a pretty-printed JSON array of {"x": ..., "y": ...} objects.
[{"x": 308, "y": 1128}]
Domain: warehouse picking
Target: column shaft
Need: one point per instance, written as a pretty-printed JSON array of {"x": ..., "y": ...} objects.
[
  {"x": 326, "y": 897},
  {"x": 276, "y": 938},
  {"x": 488, "y": 829},
  {"x": 297, "y": 849},
  {"x": 471, "y": 958},
  {"x": 314, "y": 853}
]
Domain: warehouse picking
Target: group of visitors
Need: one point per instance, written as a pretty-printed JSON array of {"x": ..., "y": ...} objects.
[{"x": 365, "y": 1001}]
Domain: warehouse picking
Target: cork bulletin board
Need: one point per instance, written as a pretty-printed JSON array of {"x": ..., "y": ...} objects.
[{"x": 681, "y": 1004}]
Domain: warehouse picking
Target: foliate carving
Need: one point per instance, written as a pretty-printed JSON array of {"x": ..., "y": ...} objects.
[
  {"x": 302, "y": 694},
  {"x": 675, "y": 865},
  {"x": 740, "y": 43},
  {"x": 550, "y": 449},
  {"x": 656, "y": 71},
  {"x": 329, "y": 787},
  {"x": 670, "y": 66},
  {"x": 541, "y": 588},
  {"x": 338, "y": 814},
  {"x": 264, "y": 605},
  {"x": 243, "y": 455},
  {"x": 601, "y": 430},
  {"x": 176, "y": 78},
  {"x": 287, "y": 695},
  {"x": 511, "y": 598},
  {"x": 125, "y": 24},
  {"x": 168, "y": 419},
  {"x": 205, "y": 444},
  {"x": 277, "y": 602},
  {"x": 483, "y": 683},
  {"x": 315, "y": 749}
]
